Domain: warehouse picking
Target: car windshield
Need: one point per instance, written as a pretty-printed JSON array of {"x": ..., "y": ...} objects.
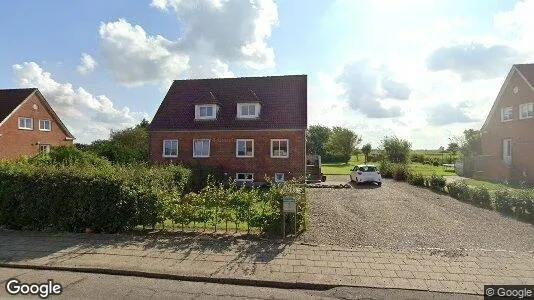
[{"x": 367, "y": 169}]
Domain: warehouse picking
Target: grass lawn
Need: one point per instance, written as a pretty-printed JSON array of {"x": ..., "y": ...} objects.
[{"x": 343, "y": 169}]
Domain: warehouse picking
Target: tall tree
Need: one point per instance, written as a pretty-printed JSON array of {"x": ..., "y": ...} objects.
[
  {"x": 397, "y": 150},
  {"x": 342, "y": 143},
  {"x": 453, "y": 148},
  {"x": 366, "y": 150},
  {"x": 316, "y": 139}
]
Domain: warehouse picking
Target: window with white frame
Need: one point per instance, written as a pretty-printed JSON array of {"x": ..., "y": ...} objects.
[
  {"x": 201, "y": 148},
  {"x": 170, "y": 148},
  {"x": 244, "y": 177},
  {"x": 244, "y": 148},
  {"x": 44, "y": 148},
  {"x": 526, "y": 110},
  {"x": 205, "y": 111},
  {"x": 507, "y": 114},
  {"x": 45, "y": 125},
  {"x": 279, "y": 177},
  {"x": 280, "y": 148},
  {"x": 25, "y": 123},
  {"x": 248, "y": 110}
]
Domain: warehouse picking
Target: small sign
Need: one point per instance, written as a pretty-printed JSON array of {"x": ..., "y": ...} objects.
[{"x": 290, "y": 204}]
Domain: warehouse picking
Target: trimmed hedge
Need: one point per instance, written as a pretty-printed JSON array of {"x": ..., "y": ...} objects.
[
  {"x": 111, "y": 198},
  {"x": 72, "y": 198},
  {"x": 519, "y": 204}
]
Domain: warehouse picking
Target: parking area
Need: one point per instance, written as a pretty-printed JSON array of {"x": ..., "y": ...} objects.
[{"x": 400, "y": 216}]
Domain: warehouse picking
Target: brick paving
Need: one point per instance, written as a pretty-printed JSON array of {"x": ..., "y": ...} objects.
[{"x": 458, "y": 271}]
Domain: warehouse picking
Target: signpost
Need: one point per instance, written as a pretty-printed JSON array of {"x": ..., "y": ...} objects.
[{"x": 289, "y": 206}]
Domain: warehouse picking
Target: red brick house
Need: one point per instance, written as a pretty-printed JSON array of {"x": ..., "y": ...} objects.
[
  {"x": 250, "y": 127},
  {"x": 28, "y": 124},
  {"x": 507, "y": 136}
]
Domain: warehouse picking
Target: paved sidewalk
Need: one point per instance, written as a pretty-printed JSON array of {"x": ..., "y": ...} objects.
[{"x": 227, "y": 257}]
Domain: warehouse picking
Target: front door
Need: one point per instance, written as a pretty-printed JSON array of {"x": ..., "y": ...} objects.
[{"x": 507, "y": 151}]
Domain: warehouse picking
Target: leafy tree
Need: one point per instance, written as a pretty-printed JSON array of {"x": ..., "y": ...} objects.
[
  {"x": 129, "y": 145},
  {"x": 356, "y": 153},
  {"x": 342, "y": 142},
  {"x": 396, "y": 150},
  {"x": 366, "y": 150},
  {"x": 470, "y": 143},
  {"x": 316, "y": 139},
  {"x": 453, "y": 148}
]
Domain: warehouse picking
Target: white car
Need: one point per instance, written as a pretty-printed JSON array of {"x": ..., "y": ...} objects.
[{"x": 366, "y": 173}]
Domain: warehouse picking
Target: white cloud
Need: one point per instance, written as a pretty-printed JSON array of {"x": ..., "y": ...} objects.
[
  {"x": 87, "y": 64},
  {"x": 445, "y": 114},
  {"x": 136, "y": 58},
  {"x": 367, "y": 84},
  {"x": 215, "y": 35},
  {"x": 474, "y": 61},
  {"x": 87, "y": 116}
]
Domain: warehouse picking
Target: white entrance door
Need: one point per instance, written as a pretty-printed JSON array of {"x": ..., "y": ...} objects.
[{"x": 507, "y": 151}]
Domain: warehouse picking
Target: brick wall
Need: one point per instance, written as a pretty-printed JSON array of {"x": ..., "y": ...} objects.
[
  {"x": 223, "y": 151},
  {"x": 15, "y": 142}
]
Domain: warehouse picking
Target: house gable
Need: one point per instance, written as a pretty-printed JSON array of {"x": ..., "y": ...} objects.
[
  {"x": 515, "y": 78},
  {"x": 10, "y": 98}
]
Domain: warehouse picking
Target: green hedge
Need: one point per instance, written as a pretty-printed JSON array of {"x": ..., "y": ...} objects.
[
  {"x": 519, "y": 204},
  {"x": 41, "y": 195},
  {"x": 72, "y": 198}
]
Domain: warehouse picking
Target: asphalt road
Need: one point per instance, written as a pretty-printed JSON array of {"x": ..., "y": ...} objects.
[
  {"x": 401, "y": 216},
  {"x": 96, "y": 286}
]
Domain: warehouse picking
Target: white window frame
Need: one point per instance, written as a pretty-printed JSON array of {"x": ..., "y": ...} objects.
[
  {"x": 43, "y": 128},
  {"x": 503, "y": 114},
  {"x": 251, "y": 179},
  {"x": 240, "y": 114},
  {"x": 279, "y": 180},
  {"x": 531, "y": 110},
  {"x": 25, "y": 127},
  {"x": 170, "y": 155},
  {"x": 203, "y": 141},
  {"x": 46, "y": 147},
  {"x": 198, "y": 108},
  {"x": 279, "y": 140},
  {"x": 245, "y": 141}
]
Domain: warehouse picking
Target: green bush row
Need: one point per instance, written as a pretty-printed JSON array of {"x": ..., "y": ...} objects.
[
  {"x": 39, "y": 194},
  {"x": 516, "y": 203}
]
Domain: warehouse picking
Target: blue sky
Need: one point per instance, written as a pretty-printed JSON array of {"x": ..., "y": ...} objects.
[{"x": 419, "y": 69}]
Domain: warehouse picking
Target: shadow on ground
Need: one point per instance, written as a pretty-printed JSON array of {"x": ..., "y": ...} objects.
[{"x": 16, "y": 246}]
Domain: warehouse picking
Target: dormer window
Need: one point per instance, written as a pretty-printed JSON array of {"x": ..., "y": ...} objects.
[
  {"x": 206, "y": 112},
  {"x": 248, "y": 110}
]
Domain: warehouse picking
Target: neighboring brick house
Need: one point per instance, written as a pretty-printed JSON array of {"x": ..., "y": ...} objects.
[
  {"x": 507, "y": 137},
  {"x": 28, "y": 124},
  {"x": 251, "y": 127}
]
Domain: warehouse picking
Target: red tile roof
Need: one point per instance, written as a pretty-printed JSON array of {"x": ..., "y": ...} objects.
[
  {"x": 11, "y": 98},
  {"x": 283, "y": 103}
]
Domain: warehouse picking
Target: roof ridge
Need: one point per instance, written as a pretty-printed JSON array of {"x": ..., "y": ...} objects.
[{"x": 241, "y": 77}]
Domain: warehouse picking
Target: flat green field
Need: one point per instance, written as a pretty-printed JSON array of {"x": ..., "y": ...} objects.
[{"x": 342, "y": 169}]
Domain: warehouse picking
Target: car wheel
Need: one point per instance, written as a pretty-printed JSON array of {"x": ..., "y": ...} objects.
[{"x": 380, "y": 183}]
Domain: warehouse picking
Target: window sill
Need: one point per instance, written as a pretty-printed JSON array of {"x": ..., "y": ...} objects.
[
  {"x": 46, "y": 130},
  {"x": 170, "y": 156},
  {"x": 504, "y": 121},
  {"x": 280, "y": 156},
  {"x": 25, "y": 128},
  {"x": 201, "y": 156},
  {"x": 245, "y": 156},
  {"x": 525, "y": 118},
  {"x": 248, "y": 118}
]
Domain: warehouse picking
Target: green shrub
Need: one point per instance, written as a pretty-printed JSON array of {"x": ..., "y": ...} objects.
[
  {"x": 459, "y": 190},
  {"x": 386, "y": 169},
  {"x": 74, "y": 197},
  {"x": 66, "y": 155},
  {"x": 480, "y": 196},
  {"x": 504, "y": 202},
  {"x": 437, "y": 182},
  {"x": 524, "y": 206},
  {"x": 400, "y": 172},
  {"x": 416, "y": 179}
]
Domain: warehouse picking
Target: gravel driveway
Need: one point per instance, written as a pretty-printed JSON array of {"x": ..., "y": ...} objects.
[{"x": 400, "y": 216}]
